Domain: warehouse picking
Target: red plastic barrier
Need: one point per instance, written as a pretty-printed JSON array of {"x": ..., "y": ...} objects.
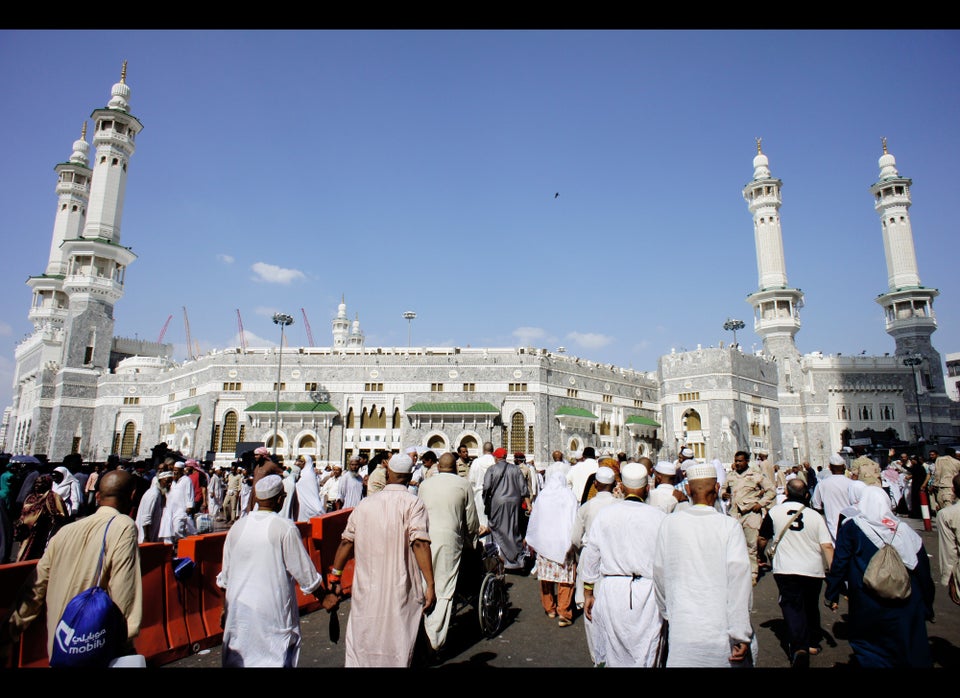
[
  {"x": 153, "y": 642},
  {"x": 327, "y": 530},
  {"x": 206, "y": 560},
  {"x": 31, "y": 650}
]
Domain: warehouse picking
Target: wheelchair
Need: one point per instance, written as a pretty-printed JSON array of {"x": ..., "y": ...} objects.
[{"x": 481, "y": 584}]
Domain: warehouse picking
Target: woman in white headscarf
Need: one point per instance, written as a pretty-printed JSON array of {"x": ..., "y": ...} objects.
[
  {"x": 290, "y": 507},
  {"x": 68, "y": 487},
  {"x": 308, "y": 492},
  {"x": 548, "y": 535},
  {"x": 882, "y": 633}
]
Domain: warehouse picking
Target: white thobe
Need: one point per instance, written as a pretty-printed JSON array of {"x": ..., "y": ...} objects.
[
  {"x": 704, "y": 586},
  {"x": 478, "y": 469},
  {"x": 579, "y": 473},
  {"x": 578, "y": 538},
  {"x": 149, "y": 515},
  {"x": 626, "y": 622},
  {"x": 832, "y": 496},
  {"x": 453, "y": 523},
  {"x": 179, "y": 500},
  {"x": 308, "y": 494},
  {"x": 662, "y": 498},
  {"x": 263, "y": 560},
  {"x": 351, "y": 489},
  {"x": 215, "y": 492},
  {"x": 329, "y": 491}
]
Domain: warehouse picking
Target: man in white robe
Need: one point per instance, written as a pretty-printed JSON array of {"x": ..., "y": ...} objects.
[
  {"x": 309, "y": 499},
  {"x": 263, "y": 560},
  {"x": 393, "y": 582},
  {"x": 662, "y": 495},
  {"x": 478, "y": 469},
  {"x": 180, "y": 501},
  {"x": 151, "y": 506},
  {"x": 617, "y": 569},
  {"x": 454, "y": 524},
  {"x": 216, "y": 489},
  {"x": 330, "y": 487},
  {"x": 832, "y": 494},
  {"x": 703, "y": 581},
  {"x": 605, "y": 481},
  {"x": 581, "y": 471}
]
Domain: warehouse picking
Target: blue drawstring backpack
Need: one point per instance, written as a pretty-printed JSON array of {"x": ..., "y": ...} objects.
[{"x": 92, "y": 630}]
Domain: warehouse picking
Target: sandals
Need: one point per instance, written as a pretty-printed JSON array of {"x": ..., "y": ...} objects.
[
  {"x": 814, "y": 651},
  {"x": 565, "y": 622}
]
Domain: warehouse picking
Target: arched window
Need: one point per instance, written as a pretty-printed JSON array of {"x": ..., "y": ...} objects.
[
  {"x": 382, "y": 419},
  {"x": 228, "y": 444},
  {"x": 350, "y": 421},
  {"x": 307, "y": 442},
  {"x": 692, "y": 420},
  {"x": 469, "y": 442},
  {"x": 396, "y": 418},
  {"x": 269, "y": 441},
  {"x": 364, "y": 419},
  {"x": 438, "y": 444},
  {"x": 127, "y": 441},
  {"x": 518, "y": 433}
]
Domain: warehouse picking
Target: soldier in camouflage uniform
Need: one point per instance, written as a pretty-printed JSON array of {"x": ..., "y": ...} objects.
[
  {"x": 864, "y": 468},
  {"x": 751, "y": 494}
]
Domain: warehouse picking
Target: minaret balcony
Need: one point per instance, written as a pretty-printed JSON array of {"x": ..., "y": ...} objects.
[
  {"x": 95, "y": 286},
  {"x": 41, "y": 315}
]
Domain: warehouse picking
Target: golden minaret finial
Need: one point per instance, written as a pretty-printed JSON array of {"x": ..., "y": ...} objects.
[
  {"x": 123, "y": 73},
  {"x": 759, "y": 152},
  {"x": 883, "y": 139},
  {"x": 83, "y": 132}
]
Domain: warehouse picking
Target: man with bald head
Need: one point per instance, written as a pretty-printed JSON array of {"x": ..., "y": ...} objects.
[
  {"x": 703, "y": 580},
  {"x": 69, "y": 565}
]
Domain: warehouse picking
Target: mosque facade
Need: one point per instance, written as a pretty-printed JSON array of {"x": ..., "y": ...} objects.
[{"x": 80, "y": 389}]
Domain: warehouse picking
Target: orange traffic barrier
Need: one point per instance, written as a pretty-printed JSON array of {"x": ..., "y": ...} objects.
[
  {"x": 179, "y": 617},
  {"x": 925, "y": 511}
]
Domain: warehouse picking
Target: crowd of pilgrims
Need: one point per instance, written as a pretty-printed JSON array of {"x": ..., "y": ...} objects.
[{"x": 541, "y": 532}]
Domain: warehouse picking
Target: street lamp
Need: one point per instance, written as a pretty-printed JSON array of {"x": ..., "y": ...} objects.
[
  {"x": 409, "y": 316},
  {"x": 913, "y": 362},
  {"x": 283, "y": 320},
  {"x": 319, "y": 397},
  {"x": 734, "y": 325}
]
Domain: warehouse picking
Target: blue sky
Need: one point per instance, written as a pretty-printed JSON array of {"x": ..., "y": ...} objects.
[{"x": 418, "y": 170}]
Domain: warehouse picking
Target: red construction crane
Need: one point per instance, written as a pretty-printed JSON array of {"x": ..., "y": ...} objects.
[
  {"x": 306, "y": 323},
  {"x": 164, "y": 330},
  {"x": 243, "y": 340}
]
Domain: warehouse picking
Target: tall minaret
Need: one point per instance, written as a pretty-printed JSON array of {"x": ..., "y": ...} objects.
[
  {"x": 907, "y": 305},
  {"x": 356, "y": 334},
  {"x": 94, "y": 266},
  {"x": 776, "y": 305},
  {"x": 341, "y": 326}
]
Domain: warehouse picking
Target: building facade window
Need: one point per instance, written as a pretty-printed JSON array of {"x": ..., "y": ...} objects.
[
  {"x": 309, "y": 387},
  {"x": 373, "y": 387},
  {"x": 518, "y": 433},
  {"x": 865, "y": 412},
  {"x": 608, "y": 399},
  {"x": 436, "y": 387},
  {"x": 128, "y": 440},
  {"x": 469, "y": 387},
  {"x": 283, "y": 386},
  {"x": 233, "y": 387},
  {"x": 886, "y": 413},
  {"x": 228, "y": 443},
  {"x": 689, "y": 397},
  {"x": 131, "y": 401},
  {"x": 517, "y": 388},
  {"x": 843, "y": 411},
  {"x": 573, "y": 392}
]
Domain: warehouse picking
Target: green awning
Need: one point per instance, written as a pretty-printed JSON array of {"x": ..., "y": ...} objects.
[
  {"x": 453, "y": 408},
  {"x": 575, "y": 412},
  {"x": 291, "y": 407},
  {"x": 193, "y": 409},
  {"x": 645, "y": 421}
]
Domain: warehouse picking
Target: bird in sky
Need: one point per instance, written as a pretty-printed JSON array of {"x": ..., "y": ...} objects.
[{"x": 556, "y": 195}]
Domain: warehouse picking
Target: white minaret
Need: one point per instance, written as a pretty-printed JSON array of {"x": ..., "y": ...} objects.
[
  {"x": 341, "y": 326},
  {"x": 776, "y": 305},
  {"x": 907, "y": 304},
  {"x": 356, "y": 335}
]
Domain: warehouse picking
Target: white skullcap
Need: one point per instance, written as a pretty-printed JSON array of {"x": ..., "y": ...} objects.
[
  {"x": 400, "y": 463},
  {"x": 665, "y": 468},
  {"x": 269, "y": 486},
  {"x": 164, "y": 475},
  {"x": 837, "y": 459},
  {"x": 605, "y": 475},
  {"x": 686, "y": 453},
  {"x": 179, "y": 465},
  {"x": 702, "y": 472},
  {"x": 633, "y": 475},
  {"x": 411, "y": 451}
]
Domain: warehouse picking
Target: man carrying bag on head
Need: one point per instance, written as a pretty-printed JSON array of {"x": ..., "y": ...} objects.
[{"x": 81, "y": 553}]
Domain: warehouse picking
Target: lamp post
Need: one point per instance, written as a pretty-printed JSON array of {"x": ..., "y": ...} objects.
[
  {"x": 283, "y": 320},
  {"x": 409, "y": 317},
  {"x": 734, "y": 325},
  {"x": 913, "y": 362},
  {"x": 319, "y": 397}
]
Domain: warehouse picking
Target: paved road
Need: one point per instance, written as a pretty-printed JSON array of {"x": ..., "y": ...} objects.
[{"x": 531, "y": 640}]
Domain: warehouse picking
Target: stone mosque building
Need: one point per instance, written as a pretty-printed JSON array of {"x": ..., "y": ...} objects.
[{"x": 80, "y": 389}]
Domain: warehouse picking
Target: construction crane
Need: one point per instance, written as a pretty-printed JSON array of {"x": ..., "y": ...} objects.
[
  {"x": 186, "y": 325},
  {"x": 243, "y": 340},
  {"x": 164, "y": 330},
  {"x": 306, "y": 323}
]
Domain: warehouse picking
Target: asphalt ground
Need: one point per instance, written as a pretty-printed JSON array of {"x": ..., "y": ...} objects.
[{"x": 531, "y": 640}]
